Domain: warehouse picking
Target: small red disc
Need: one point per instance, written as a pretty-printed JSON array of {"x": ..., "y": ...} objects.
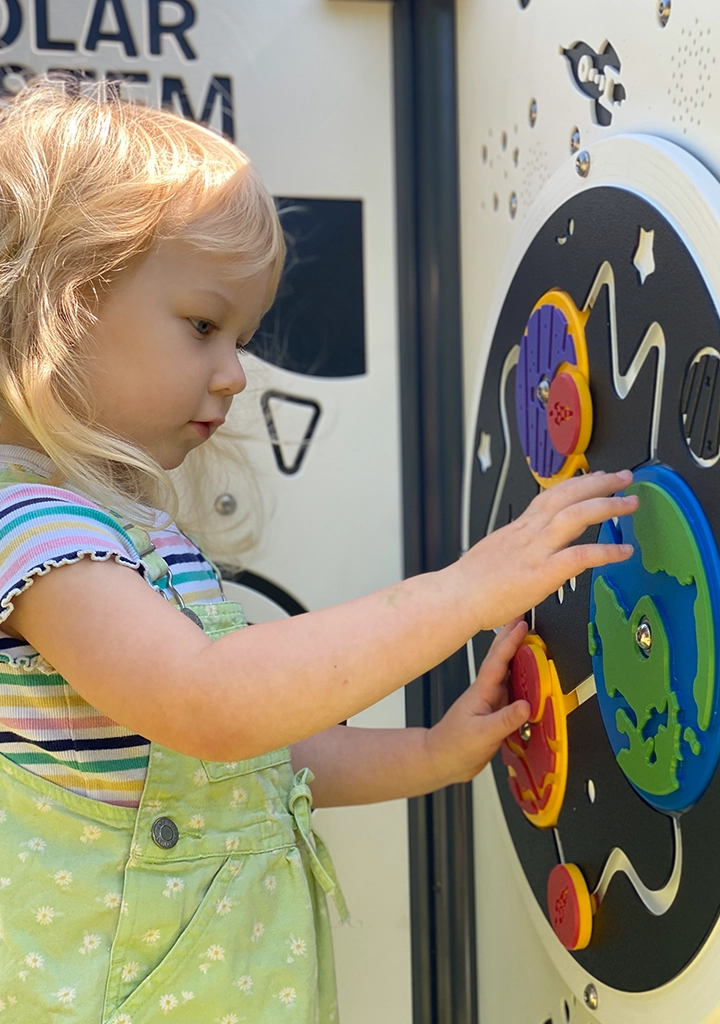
[
  {"x": 565, "y": 412},
  {"x": 570, "y": 906}
]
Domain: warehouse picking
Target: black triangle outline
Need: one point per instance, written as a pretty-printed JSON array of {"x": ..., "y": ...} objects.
[{"x": 289, "y": 470}]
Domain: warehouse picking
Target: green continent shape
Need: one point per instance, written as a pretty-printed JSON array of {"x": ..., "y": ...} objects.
[
  {"x": 646, "y": 684},
  {"x": 668, "y": 545},
  {"x": 692, "y": 741}
]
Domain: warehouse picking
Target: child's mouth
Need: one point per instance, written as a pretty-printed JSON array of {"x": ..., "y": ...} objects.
[{"x": 204, "y": 429}]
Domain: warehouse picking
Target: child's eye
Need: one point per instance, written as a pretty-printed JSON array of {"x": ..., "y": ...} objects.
[{"x": 202, "y": 326}]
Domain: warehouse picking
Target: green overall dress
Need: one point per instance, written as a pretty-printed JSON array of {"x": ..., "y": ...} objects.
[{"x": 204, "y": 905}]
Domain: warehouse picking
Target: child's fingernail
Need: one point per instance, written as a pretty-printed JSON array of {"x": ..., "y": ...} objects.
[
  {"x": 624, "y": 474},
  {"x": 627, "y": 549}
]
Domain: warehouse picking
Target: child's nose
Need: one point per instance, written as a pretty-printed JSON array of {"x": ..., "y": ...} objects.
[{"x": 231, "y": 379}]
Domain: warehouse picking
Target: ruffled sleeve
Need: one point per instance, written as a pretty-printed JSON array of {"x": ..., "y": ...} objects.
[{"x": 42, "y": 527}]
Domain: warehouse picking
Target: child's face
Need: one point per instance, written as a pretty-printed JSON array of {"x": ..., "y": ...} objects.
[{"x": 164, "y": 363}]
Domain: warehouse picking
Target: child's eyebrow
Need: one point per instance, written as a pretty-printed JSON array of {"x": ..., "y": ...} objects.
[
  {"x": 216, "y": 294},
  {"x": 227, "y": 304}
]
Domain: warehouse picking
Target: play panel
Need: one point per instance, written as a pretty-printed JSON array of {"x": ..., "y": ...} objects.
[{"x": 606, "y": 354}]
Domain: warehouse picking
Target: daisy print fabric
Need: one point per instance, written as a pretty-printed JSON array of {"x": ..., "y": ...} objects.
[{"x": 221, "y": 921}]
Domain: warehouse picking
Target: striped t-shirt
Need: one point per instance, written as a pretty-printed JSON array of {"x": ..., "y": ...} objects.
[{"x": 45, "y": 725}]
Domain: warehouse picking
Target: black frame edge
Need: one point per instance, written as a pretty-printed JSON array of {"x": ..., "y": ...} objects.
[{"x": 440, "y": 825}]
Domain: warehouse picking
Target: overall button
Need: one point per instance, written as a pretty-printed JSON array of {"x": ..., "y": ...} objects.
[{"x": 165, "y": 833}]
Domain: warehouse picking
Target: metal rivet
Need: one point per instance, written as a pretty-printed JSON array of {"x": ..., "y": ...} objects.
[
  {"x": 525, "y": 732},
  {"x": 575, "y": 140},
  {"x": 591, "y": 997},
  {"x": 543, "y": 391},
  {"x": 225, "y": 504},
  {"x": 582, "y": 163},
  {"x": 664, "y": 8},
  {"x": 532, "y": 113},
  {"x": 190, "y": 614},
  {"x": 643, "y": 636},
  {"x": 165, "y": 833},
  {"x": 513, "y": 203}
]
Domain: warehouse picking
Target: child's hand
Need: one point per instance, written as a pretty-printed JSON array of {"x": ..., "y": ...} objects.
[
  {"x": 471, "y": 731},
  {"x": 518, "y": 566}
]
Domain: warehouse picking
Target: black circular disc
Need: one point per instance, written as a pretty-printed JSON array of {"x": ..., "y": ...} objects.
[{"x": 631, "y": 949}]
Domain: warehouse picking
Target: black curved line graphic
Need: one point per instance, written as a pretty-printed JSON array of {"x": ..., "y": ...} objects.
[{"x": 270, "y": 590}]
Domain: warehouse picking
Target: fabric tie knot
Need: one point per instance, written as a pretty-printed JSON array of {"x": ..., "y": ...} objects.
[{"x": 300, "y": 806}]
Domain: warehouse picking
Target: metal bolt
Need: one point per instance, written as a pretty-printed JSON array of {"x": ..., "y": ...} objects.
[
  {"x": 591, "y": 997},
  {"x": 543, "y": 391},
  {"x": 664, "y": 8},
  {"x": 525, "y": 732},
  {"x": 582, "y": 163},
  {"x": 532, "y": 114},
  {"x": 643, "y": 636},
  {"x": 513, "y": 204},
  {"x": 225, "y": 505},
  {"x": 575, "y": 140}
]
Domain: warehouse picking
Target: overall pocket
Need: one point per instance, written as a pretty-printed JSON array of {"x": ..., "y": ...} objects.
[
  {"x": 219, "y": 771},
  {"x": 166, "y": 910},
  {"x": 249, "y": 953}
]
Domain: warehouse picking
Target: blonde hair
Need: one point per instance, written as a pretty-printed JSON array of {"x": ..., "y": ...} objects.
[{"x": 89, "y": 184}]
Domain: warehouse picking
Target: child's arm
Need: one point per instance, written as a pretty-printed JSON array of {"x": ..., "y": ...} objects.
[
  {"x": 130, "y": 654},
  {"x": 363, "y": 766}
]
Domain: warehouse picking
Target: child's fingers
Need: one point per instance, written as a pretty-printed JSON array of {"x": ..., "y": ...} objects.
[
  {"x": 490, "y": 690},
  {"x": 582, "y": 488},
  {"x": 503, "y": 649},
  {"x": 573, "y": 520},
  {"x": 500, "y": 724},
  {"x": 574, "y": 560}
]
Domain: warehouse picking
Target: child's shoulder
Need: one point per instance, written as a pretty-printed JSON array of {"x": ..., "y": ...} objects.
[{"x": 39, "y": 508}]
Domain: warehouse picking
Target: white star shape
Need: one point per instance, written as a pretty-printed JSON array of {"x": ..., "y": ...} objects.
[
  {"x": 644, "y": 258},
  {"x": 483, "y": 452}
]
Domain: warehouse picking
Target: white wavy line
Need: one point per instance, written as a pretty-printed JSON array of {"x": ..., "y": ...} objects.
[
  {"x": 511, "y": 360},
  {"x": 657, "y": 901},
  {"x": 653, "y": 338}
]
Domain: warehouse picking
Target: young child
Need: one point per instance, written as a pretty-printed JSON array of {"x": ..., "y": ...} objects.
[{"x": 156, "y": 850}]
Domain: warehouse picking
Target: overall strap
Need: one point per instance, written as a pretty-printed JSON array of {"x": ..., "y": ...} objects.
[{"x": 157, "y": 568}]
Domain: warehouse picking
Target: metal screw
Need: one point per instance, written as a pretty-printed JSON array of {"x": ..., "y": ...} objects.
[
  {"x": 591, "y": 997},
  {"x": 513, "y": 204},
  {"x": 664, "y": 8},
  {"x": 643, "y": 636},
  {"x": 575, "y": 140},
  {"x": 582, "y": 163},
  {"x": 543, "y": 391},
  {"x": 225, "y": 505},
  {"x": 532, "y": 115},
  {"x": 525, "y": 732}
]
